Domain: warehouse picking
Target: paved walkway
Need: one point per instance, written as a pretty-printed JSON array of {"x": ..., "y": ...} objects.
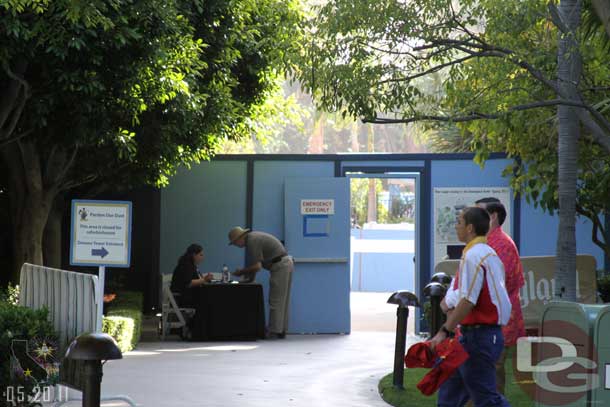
[
  {"x": 300, "y": 371},
  {"x": 371, "y": 312}
]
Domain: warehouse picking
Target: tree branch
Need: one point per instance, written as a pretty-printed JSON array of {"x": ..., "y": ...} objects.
[
  {"x": 428, "y": 71},
  {"x": 68, "y": 166},
  {"x": 597, "y": 132},
  {"x": 602, "y": 9},
  {"x": 475, "y": 115},
  {"x": 487, "y": 50},
  {"x": 22, "y": 95},
  {"x": 597, "y": 227},
  {"x": 386, "y": 51},
  {"x": 557, "y": 19},
  {"x": 15, "y": 138},
  {"x": 74, "y": 184},
  {"x": 50, "y": 158}
]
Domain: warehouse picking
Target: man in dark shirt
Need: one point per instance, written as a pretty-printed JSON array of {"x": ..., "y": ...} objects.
[{"x": 266, "y": 251}]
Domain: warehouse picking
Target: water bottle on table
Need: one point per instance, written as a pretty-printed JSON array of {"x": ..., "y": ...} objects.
[{"x": 225, "y": 274}]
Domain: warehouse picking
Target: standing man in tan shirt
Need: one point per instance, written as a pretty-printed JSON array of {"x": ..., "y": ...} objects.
[{"x": 266, "y": 251}]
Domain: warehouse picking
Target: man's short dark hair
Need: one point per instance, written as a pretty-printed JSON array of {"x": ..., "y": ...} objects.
[
  {"x": 497, "y": 207},
  {"x": 478, "y": 218},
  {"x": 487, "y": 200}
]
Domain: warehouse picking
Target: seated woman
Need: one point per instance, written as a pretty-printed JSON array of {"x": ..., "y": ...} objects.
[{"x": 186, "y": 276}]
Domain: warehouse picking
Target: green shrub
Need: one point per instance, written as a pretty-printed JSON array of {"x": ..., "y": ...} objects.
[
  {"x": 603, "y": 287},
  {"x": 21, "y": 327},
  {"x": 121, "y": 329},
  {"x": 10, "y": 294},
  {"x": 123, "y": 320},
  {"x": 128, "y": 299}
]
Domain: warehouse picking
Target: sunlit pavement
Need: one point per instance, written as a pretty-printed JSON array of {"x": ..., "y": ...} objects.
[
  {"x": 315, "y": 370},
  {"x": 301, "y": 370},
  {"x": 371, "y": 312}
]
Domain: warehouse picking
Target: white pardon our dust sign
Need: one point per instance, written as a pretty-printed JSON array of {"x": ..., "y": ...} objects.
[
  {"x": 317, "y": 206},
  {"x": 100, "y": 233}
]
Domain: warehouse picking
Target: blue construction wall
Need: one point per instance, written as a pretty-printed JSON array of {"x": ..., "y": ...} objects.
[
  {"x": 539, "y": 234},
  {"x": 537, "y": 229},
  {"x": 200, "y": 206},
  {"x": 203, "y": 203}
]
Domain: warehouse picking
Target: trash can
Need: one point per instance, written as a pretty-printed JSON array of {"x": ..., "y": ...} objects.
[
  {"x": 568, "y": 363},
  {"x": 600, "y": 396}
]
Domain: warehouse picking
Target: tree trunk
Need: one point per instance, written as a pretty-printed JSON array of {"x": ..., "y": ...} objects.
[
  {"x": 355, "y": 144},
  {"x": 30, "y": 203},
  {"x": 371, "y": 213},
  {"x": 316, "y": 142},
  {"x": 28, "y": 236},
  {"x": 568, "y": 75},
  {"x": 52, "y": 234}
]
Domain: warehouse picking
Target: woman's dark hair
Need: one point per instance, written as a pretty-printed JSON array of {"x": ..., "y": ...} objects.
[
  {"x": 187, "y": 258},
  {"x": 497, "y": 207},
  {"x": 478, "y": 218},
  {"x": 493, "y": 205}
]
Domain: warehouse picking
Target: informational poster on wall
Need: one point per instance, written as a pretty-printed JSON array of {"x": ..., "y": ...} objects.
[{"x": 449, "y": 202}]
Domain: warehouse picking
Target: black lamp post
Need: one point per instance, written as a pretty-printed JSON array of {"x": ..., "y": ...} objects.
[
  {"x": 91, "y": 349},
  {"x": 442, "y": 278},
  {"x": 436, "y": 290},
  {"x": 403, "y": 299}
]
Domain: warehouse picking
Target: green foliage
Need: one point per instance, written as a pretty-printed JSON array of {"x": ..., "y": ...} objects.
[
  {"x": 128, "y": 300},
  {"x": 20, "y": 323},
  {"x": 359, "y": 190},
  {"x": 139, "y": 96},
  {"x": 123, "y": 321},
  {"x": 603, "y": 287},
  {"x": 122, "y": 329},
  {"x": 482, "y": 76},
  {"x": 111, "y": 95},
  {"x": 10, "y": 295}
]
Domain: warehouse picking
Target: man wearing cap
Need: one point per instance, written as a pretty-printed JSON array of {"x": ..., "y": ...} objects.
[
  {"x": 266, "y": 251},
  {"x": 477, "y": 300}
]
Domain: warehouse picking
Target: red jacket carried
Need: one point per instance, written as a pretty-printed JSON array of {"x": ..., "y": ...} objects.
[{"x": 448, "y": 356}]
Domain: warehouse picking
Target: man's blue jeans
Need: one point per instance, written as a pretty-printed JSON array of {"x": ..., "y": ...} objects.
[{"x": 476, "y": 378}]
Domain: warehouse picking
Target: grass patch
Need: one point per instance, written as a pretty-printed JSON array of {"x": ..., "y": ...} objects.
[{"x": 411, "y": 396}]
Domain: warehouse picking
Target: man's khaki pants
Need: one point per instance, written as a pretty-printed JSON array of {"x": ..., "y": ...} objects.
[{"x": 279, "y": 294}]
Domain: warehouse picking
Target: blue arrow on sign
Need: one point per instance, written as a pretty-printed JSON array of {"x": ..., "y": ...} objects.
[{"x": 99, "y": 252}]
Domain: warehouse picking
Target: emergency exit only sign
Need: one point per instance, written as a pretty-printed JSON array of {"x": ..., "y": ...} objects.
[
  {"x": 317, "y": 206},
  {"x": 100, "y": 233}
]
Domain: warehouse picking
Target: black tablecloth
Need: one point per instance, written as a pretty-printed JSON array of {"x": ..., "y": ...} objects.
[{"x": 229, "y": 311}]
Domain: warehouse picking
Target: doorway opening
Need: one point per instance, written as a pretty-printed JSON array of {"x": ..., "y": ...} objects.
[{"x": 383, "y": 210}]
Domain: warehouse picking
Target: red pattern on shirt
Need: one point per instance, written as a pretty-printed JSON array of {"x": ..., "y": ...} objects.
[
  {"x": 484, "y": 311},
  {"x": 514, "y": 280}
]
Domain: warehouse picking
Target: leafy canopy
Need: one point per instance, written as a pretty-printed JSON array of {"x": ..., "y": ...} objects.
[
  {"x": 497, "y": 65},
  {"x": 138, "y": 87}
]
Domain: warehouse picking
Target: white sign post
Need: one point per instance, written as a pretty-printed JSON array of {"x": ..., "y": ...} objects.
[{"x": 100, "y": 236}]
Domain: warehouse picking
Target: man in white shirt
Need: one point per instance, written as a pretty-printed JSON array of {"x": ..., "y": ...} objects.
[{"x": 477, "y": 300}]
